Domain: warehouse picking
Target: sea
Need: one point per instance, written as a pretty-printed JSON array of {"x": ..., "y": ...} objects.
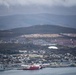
[{"x": 44, "y": 71}]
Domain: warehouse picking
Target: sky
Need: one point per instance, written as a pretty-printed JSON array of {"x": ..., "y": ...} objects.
[{"x": 61, "y": 7}]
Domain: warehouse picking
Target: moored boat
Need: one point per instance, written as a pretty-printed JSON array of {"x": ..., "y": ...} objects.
[
  {"x": 2, "y": 67},
  {"x": 31, "y": 67}
]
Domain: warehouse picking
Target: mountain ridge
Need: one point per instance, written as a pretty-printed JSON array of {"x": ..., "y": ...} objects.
[{"x": 25, "y": 20}]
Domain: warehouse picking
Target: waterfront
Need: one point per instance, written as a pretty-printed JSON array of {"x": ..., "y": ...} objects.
[{"x": 44, "y": 71}]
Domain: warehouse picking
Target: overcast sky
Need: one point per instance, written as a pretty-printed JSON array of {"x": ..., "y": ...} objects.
[{"x": 65, "y": 7}]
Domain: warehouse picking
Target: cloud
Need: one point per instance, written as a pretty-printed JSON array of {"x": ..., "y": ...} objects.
[
  {"x": 65, "y": 7},
  {"x": 65, "y": 3}
]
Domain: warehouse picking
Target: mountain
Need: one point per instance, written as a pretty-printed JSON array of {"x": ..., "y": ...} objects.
[
  {"x": 37, "y": 29},
  {"x": 15, "y": 21}
]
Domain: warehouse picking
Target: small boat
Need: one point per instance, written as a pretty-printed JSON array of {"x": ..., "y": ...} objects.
[
  {"x": 31, "y": 67},
  {"x": 2, "y": 67}
]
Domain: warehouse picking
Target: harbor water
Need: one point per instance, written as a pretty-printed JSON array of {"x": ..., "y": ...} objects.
[{"x": 44, "y": 71}]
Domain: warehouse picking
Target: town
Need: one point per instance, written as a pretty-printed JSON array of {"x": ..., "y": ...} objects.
[{"x": 48, "y": 50}]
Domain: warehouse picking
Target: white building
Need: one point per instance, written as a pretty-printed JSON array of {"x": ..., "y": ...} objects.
[{"x": 53, "y": 47}]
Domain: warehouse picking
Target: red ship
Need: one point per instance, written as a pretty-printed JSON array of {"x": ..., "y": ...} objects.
[{"x": 31, "y": 67}]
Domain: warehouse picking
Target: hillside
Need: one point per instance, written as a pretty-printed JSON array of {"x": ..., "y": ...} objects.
[
  {"x": 37, "y": 29},
  {"x": 11, "y": 40},
  {"x": 43, "y": 29}
]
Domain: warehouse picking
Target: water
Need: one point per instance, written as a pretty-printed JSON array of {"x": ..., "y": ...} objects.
[{"x": 45, "y": 71}]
